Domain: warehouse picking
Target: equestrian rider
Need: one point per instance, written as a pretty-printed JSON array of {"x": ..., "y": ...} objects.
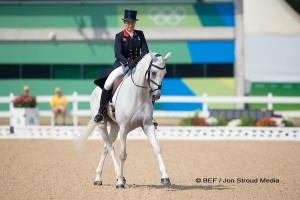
[{"x": 130, "y": 47}]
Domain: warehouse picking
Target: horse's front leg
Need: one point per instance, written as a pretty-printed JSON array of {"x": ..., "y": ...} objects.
[
  {"x": 123, "y": 155},
  {"x": 112, "y": 136},
  {"x": 150, "y": 132}
]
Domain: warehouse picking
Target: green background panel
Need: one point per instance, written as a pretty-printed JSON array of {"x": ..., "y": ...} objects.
[
  {"x": 58, "y": 16},
  {"x": 180, "y": 51},
  {"x": 213, "y": 87},
  {"x": 80, "y": 52},
  {"x": 108, "y": 15},
  {"x": 56, "y": 53},
  {"x": 208, "y": 14},
  {"x": 148, "y": 15},
  {"x": 277, "y": 89}
]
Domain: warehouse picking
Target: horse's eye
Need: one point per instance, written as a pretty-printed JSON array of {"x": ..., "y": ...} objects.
[{"x": 153, "y": 73}]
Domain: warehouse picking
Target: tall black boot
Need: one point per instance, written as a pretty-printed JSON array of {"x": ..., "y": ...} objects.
[
  {"x": 105, "y": 96},
  {"x": 153, "y": 120}
]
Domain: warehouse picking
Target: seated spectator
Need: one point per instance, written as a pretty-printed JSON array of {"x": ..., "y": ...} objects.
[{"x": 58, "y": 104}]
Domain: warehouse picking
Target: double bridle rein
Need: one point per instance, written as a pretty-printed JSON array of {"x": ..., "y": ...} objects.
[{"x": 147, "y": 74}]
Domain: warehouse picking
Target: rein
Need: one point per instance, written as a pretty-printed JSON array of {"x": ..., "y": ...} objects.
[{"x": 149, "y": 81}]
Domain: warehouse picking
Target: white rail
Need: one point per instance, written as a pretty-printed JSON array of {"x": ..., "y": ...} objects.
[
  {"x": 162, "y": 133},
  {"x": 204, "y": 99}
]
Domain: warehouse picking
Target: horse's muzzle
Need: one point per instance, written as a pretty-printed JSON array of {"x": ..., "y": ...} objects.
[{"x": 155, "y": 96}]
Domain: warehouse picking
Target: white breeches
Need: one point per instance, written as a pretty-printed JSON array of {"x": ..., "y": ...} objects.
[{"x": 122, "y": 70}]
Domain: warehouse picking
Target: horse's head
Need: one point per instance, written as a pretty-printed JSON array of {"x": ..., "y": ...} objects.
[{"x": 155, "y": 74}]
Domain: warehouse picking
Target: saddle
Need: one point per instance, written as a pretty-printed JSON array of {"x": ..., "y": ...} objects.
[{"x": 116, "y": 84}]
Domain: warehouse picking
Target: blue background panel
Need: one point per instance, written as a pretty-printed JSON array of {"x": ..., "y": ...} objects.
[
  {"x": 226, "y": 12},
  {"x": 179, "y": 88},
  {"x": 211, "y": 51}
]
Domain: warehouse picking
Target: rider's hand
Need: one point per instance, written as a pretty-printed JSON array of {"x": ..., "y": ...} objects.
[{"x": 131, "y": 65}]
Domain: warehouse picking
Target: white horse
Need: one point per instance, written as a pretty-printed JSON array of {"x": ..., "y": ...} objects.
[{"x": 133, "y": 109}]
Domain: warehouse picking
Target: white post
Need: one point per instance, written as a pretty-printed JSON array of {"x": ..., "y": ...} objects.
[
  {"x": 11, "y": 107},
  {"x": 52, "y": 118},
  {"x": 205, "y": 112},
  {"x": 75, "y": 109},
  {"x": 239, "y": 51},
  {"x": 270, "y": 101}
]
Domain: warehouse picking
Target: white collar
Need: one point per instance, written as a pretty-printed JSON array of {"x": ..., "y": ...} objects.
[{"x": 130, "y": 33}]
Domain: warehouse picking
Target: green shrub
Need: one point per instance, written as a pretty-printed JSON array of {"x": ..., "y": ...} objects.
[
  {"x": 287, "y": 123},
  {"x": 220, "y": 122},
  {"x": 247, "y": 121}
]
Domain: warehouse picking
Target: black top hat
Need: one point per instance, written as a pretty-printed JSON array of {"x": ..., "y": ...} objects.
[{"x": 130, "y": 15}]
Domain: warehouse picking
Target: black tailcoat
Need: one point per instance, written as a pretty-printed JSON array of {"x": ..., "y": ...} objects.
[{"x": 126, "y": 49}]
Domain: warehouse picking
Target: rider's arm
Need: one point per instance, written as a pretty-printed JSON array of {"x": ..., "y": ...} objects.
[
  {"x": 118, "y": 50},
  {"x": 144, "y": 48}
]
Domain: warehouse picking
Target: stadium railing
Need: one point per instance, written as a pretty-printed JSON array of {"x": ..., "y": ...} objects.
[{"x": 75, "y": 112}]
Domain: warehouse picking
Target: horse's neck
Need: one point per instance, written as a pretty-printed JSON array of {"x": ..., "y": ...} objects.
[{"x": 140, "y": 79}]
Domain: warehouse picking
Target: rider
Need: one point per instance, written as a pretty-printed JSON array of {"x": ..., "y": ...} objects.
[{"x": 130, "y": 47}]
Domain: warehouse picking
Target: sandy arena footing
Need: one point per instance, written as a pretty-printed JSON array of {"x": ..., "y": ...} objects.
[{"x": 49, "y": 169}]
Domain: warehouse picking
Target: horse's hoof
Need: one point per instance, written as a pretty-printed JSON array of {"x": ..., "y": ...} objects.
[
  {"x": 165, "y": 181},
  {"x": 98, "y": 183},
  {"x": 124, "y": 180},
  {"x": 120, "y": 186}
]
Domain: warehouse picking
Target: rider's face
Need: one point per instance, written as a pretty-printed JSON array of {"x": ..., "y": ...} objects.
[{"x": 129, "y": 25}]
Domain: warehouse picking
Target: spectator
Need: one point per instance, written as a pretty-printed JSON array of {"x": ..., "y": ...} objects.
[
  {"x": 25, "y": 91},
  {"x": 58, "y": 104}
]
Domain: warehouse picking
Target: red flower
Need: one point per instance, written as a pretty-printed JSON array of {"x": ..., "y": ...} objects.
[
  {"x": 199, "y": 121},
  {"x": 265, "y": 122}
]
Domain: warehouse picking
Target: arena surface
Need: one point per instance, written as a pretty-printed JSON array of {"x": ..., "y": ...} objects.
[{"x": 49, "y": 169}]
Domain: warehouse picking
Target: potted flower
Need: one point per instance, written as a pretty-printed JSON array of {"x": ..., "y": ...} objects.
[
  {"x": 25, "y": 101},
  {"x": 25, "y": 111}
]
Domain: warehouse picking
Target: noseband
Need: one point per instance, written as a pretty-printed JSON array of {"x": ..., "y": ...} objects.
[{"x": 149, "y": 81}]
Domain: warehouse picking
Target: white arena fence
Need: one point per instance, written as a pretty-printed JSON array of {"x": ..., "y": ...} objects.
[
  {"x": 204, "y": 99},
  {"x": 162, "y": 133}
]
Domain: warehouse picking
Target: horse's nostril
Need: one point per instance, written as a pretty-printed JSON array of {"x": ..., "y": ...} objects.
[{"x": 153, "y": 97}]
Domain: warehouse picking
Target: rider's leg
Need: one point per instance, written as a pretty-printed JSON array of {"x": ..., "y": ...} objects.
[
  {"x": 105, "y": 96},
  {"x": 106, "y": 92}
]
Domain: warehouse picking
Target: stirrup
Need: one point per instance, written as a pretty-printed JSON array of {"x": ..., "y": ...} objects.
[
  {"x": 154, "y": 123},
  {"x": 98, "y": 118}
]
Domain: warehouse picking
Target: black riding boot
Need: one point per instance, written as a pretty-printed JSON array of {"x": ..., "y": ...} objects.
[
  {"x": 153, "y": 120},
  {"x": 105, "y": 96}
]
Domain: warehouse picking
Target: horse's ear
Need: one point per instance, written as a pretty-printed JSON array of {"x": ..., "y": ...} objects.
[
  {"x": 167, "y": 56},
  {"x": 154, "y": 58}
]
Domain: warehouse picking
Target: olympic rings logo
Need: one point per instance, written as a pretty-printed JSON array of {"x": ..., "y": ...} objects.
[{"x": 167, "y": 15}]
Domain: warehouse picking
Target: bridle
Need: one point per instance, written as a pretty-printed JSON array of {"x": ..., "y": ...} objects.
[{"x": 149, "y": 81}]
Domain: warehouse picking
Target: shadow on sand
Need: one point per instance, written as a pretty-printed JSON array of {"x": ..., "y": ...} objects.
[{"x": 174, "y": 187}]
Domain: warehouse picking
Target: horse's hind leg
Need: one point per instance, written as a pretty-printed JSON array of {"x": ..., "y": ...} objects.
[
  {"x": 98, "y": 180},
  {"x": 108, "y": 147},
  {"x": 150, "y": 132}
]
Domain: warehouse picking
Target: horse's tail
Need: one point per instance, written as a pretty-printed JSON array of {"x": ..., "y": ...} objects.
[{"x": 87, "y": 132}]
